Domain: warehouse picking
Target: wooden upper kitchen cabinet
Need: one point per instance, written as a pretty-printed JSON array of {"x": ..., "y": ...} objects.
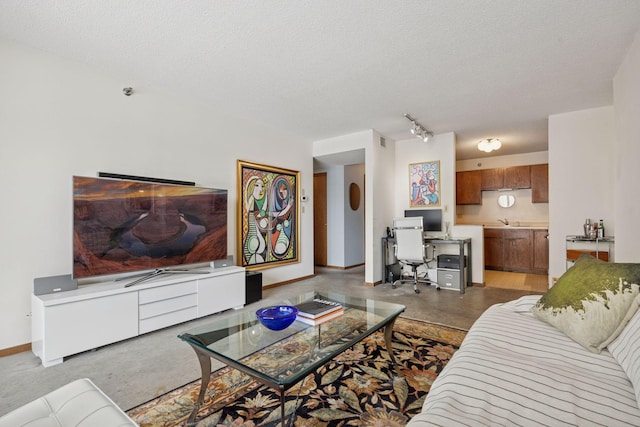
[
  {"x": 540, "y": 183},
  {"x": 492, "y": 179},
  {"x": 469, "y": 188},
  {"x": 517, "y": 177}
]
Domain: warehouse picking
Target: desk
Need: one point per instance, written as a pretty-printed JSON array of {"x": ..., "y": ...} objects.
[{"x": 464, "y": 245}]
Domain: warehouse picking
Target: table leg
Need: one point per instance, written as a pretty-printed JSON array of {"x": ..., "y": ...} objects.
[
  {"x": 463, "y": 283},
  {"x": 282, "y": 414},
  {"x": 205, "y": 367},
  {"x": 383, "y": 250},
  {"x": 469, "y": 265},
  {"x": 388, "y": 335}
]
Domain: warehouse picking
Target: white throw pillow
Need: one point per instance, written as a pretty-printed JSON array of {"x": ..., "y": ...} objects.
[{"x": 626, "y": 350}]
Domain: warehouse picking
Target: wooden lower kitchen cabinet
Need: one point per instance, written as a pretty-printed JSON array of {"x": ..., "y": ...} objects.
[
  {"x": 518, "y": 252},
  {"x": 521, "y": 250},
  {"x": 493, "y": 249},
  {"x": 540, "y": 251}
]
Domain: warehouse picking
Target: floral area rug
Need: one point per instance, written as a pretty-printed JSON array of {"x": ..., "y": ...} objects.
[{"x": 360, "y": 387}]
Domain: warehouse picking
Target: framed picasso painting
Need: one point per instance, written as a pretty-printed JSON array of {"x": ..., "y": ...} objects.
[
  {"x": 424, "y": 184},
  {"x": 268, "y": 215}
]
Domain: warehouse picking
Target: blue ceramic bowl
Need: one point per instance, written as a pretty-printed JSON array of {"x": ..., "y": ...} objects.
[{"x": 277, "y": 317}]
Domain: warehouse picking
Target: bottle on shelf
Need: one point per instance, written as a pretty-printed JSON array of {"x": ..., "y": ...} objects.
[
  {"x": 588, "y": 228},
  {"x": 601, "y": 230}
]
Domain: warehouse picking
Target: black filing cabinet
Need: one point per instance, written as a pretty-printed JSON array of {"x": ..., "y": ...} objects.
[{"x": 253, "y": 287}]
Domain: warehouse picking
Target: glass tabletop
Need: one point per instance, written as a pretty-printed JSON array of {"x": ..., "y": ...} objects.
[{"x": 285, "y": 357}]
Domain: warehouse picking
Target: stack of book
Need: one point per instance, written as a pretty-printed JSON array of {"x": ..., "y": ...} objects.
[{"x": 318, "y": 311}]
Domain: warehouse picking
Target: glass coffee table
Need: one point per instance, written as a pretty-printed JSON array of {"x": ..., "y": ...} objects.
[{"x": 282, "y": 359}]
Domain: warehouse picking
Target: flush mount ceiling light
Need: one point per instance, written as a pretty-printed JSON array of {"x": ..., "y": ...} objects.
[
  {"x": 418, "y": 130},
  {"x": 488, "y": 145}
]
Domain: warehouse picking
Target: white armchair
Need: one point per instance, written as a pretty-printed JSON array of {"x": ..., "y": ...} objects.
[{"x": 77, "y": 404}]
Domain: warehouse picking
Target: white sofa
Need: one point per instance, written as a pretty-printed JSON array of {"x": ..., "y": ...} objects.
[
  {"x": 78, "y": 404},
  {"x": 515, "y": 370}
]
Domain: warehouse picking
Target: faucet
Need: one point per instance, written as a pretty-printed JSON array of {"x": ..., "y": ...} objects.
[{"x": 504, "y": 221}]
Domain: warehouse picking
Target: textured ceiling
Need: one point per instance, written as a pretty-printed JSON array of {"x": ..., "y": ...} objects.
[{"x": 320, "y": 69}]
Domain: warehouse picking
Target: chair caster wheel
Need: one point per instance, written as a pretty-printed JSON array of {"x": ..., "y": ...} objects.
[
  {"x": 417, "y": 291},
  {"x": 393, "y": 286},
  {"x": 437, "y": 289}
]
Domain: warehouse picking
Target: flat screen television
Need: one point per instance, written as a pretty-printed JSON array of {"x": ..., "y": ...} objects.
[
  {"x": 431, "y": 218},
  {"x": 122, "y": 226}
]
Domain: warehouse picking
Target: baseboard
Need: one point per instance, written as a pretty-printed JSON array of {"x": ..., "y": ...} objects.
[
  {"x": 371, "y": 285},
  {"x": 286, "y": 282},
  {"x": 15, "y": 350},
  {"x": 354, "y": 266},
  {"x": 335, "y": 267}
]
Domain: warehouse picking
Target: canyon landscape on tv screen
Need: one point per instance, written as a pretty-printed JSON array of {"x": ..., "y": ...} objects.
[{"x": 127, "y": 226}]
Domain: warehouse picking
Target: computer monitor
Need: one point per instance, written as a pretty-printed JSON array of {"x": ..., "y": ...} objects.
[{"x": 431, "y": 218}]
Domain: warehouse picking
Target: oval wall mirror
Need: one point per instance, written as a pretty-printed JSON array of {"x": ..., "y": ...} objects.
[
  {"x": 506, "y": 200},
  {"x": 354, "y": 196}
]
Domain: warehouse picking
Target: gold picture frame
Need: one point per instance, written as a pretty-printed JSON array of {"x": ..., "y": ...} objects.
[{"x": 268, "y": 216}]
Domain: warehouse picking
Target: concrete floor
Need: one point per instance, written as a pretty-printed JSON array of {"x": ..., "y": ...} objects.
[{"x": 135, "y": 371}]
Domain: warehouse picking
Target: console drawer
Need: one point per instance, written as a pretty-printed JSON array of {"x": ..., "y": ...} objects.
[
  {"x": 167, "y": 319},
  {"x": 158, "y": 308},
  {"x": 167, "y": 292},
  {"x": 167, "y": 305}
]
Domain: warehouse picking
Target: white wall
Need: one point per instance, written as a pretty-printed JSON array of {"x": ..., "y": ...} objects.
[
  {"x": 524, "y": 211},
  {"x": 354, "y": 220},
  {"x": 581, "y": 177},
  {"x": 59, "y": 118},
  {"x": 498, "y": 161},
  {"x": 379, "y": 176},
  {"x": 626, "y": 89},
  {"x": 345, "y": 227},
  {"x": 379, "y": 183},
  {"x": 343, "y": 144},
  {"x": 335, "y": 216},
  {"x": 441, "y": 147}
]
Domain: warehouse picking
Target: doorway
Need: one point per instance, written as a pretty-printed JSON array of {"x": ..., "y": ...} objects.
[
  {"x": 320, "y": 219},
  {"x": 339, "y": 229}
]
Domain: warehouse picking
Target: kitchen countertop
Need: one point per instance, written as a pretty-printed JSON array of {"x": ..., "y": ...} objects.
[
  {"x": 531, "y": 227},
  {"x": 513, "y": 225}
]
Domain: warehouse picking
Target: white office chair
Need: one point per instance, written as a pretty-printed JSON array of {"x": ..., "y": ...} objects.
[{"x": 410, "y": 249}]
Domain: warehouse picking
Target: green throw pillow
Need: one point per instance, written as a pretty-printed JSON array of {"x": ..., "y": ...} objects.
[{"x": 592, "y": 302}]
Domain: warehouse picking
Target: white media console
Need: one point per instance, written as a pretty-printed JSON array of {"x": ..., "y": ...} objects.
[{"x": 98, "y": 314}]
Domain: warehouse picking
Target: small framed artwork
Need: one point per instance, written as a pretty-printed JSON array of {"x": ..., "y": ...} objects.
[
  {"x": 268, "y": 216},
  {"x": 424, "y": 184}
]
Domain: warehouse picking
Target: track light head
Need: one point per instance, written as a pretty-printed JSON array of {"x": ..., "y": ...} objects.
[
  {"x": 414, "y": 128},
  {"x": 418, "y": 130}
]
